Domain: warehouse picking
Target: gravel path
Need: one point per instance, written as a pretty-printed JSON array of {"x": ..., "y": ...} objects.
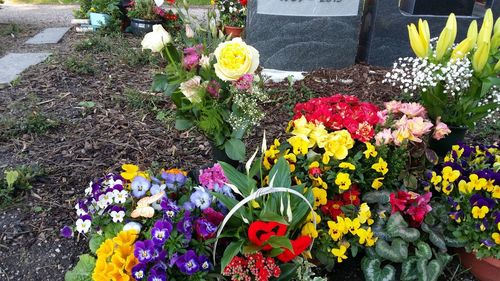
[{"x": 38, "y": 15}]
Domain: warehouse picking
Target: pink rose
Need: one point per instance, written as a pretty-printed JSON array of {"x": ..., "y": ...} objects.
[
  {"x": 383, "y": 137},
  {"x": 393, "y": 106},
  {"x": 441, "y": 129},
  {"x": 413, "y": 109},
  {"x": 382, "y": 116},
  {"x": 418, "y": 126}
]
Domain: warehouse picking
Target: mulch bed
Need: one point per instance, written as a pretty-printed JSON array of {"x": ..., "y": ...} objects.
[{"x": 89, "y": 142}]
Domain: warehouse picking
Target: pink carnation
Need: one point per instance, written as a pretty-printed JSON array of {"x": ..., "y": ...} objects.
[
  {"x": 244, "y": 83},
  {"x": 441, "y": 129}
]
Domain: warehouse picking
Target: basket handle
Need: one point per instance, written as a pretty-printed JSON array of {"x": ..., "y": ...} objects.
[{"x": 260, "y": 192}]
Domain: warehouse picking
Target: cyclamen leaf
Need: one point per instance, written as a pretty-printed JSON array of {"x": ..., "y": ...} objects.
[{"x": 83, "y": 269}]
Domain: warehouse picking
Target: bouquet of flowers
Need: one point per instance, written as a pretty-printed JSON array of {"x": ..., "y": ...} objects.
[
  {"x": 344, "y": 150},
  {"x": 469, "y": 181},
  {"x": 232, "y": 12},
  {"x": 213, "y": 85},
  {"x": 454, "y": 82},
  {"x": 145, "y": 226}
]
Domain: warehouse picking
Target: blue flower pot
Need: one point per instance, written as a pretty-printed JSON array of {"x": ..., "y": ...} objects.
[{"x": 99, "y": 19}]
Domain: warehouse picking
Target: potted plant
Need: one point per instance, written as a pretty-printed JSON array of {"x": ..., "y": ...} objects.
[
  {"x": 143, "y": 15},
  {"x": 101, "y": 12},
  {"x": 469, "y": 181},
  {"x": 453, "y": 82},
  {"x": 233, "y": 14},
  {"x": 443, "y": 7},
  {"x": 222, "y": 99}
]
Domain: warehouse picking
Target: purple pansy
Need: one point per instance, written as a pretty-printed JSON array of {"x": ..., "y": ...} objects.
[
  {"x": 201, "y": 198},
  {"x": 185, "y": 226},
  {"x": 156, "y": 274},
  {"x": 144, "y": 250},
  {"x": 66, "y": 232},
  {"x": 479, "y": 200},
  {"x": 161, "y": 231},
  {"x": 205, "y": 229},
  {"x": 188, "y": 263},
  {"x": 204, "y": 262},
  {"x": 139, "y": 271},
  {"x": 169, "y": 207},
  {"x": 173, "y": 180}
]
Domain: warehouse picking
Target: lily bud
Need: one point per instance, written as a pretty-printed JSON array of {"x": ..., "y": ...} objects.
[
  {"x": 497, "y": 67},
  {"x": 417, "y": 44},
  {"x": 189, "y": 31},
  {"x": 495, "y": 42},
  {"x": 480, "y": 57},
  {"x": 496, "y": 29},
  {"x": 462, "y": 49},
  {"x": 424, "y": 32},
  {"x": 185, "y": 4},
  {"x": 486, "y": 27},
  {"x": 213, "y": 28},
  {"x": 451, "y": 23},
  {"x": 472, "y": 32},
  {"x": 443, "y": 42}
]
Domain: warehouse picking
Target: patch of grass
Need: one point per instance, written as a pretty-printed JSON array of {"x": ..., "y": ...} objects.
[
  {"x": 16, "y": 181},
  {"x": 34, "y": 123},
  {"x": 11, "y": 29},
  {"x": 198, "y": 2},
  {"x": 138, "y": 100},
  {"x": 137, "y": 57},
  {"x": 94, "y": 44},
  {"x": 53, "y": 2},
  {"x": 83, "y": 66}
]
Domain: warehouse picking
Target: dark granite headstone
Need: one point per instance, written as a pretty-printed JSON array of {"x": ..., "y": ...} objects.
[
  {"x": 384, "y": 36},
  {"x": 438, "y": 7},
  {"x": 302, "y": 35}
]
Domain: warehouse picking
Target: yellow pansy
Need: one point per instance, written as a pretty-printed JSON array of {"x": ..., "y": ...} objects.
[
  {"x": 106, "y": 249},
  {"x": 301, "y": 127},
  {"x": 370, "y": 151},
  {"x": 130, "y": 171},
  {"x": 447, "y": 189},
  {"x": 465, "y": 187},
  {"x": 496, "y": 237},
  {"x": 309, "y": 230},
  {"x": 319, "y": 197},
  {"x": 337, "y": 145},
  {"x": 347, "y": 165},
  {"x": 496, "y": 192},
  {"x": 458, "y": 150},
  {"x": 366, "y": 236},
  {"x": 343, "y": 181},
  {"x": 449, "y": 174},
  {"x": 340, "y": 253},
  {"x": 312, "y": 215},
  {"x": 476, "y": 182},
  {"x": 380, "y": 166},
  {"x": 291, "y": 159},
  {"x": 352, "y": 225},
  {"x": 336, "y": 230},
  {"x": 479, "y": 213},
  {"x": 364, "y": 214},
  {"x": 318, "y": 136},
  {"x": 377, "y": 183},
  {"x": 299, "y": 144},
  {"x": 436, "y": 179},
  {"x": 490, "y": 185}
]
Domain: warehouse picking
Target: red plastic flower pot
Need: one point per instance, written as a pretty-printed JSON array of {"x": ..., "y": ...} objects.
[
  {"x": 234, "y": 31},
  {"x": 487, "y": 269}
]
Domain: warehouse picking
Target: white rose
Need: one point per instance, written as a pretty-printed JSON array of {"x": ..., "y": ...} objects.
[
  {"x": 191, "y": 89},
  {"x": 157, "y": 39}
]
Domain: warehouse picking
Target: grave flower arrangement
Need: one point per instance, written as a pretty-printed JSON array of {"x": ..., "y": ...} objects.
[
  {"x": 148, "y": 10},
  {"x": 213, "y": 84},
  {"x": 232, "y": 12},
  {"x": 149, "y": 226},
  {"x": 468, "y": 181},
  {"x": 344, "y": 150},
  {"x": 454, "y": 82}
]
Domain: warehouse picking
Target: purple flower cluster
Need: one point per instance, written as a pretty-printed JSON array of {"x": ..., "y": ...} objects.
[{"x": 211, "y": 177}]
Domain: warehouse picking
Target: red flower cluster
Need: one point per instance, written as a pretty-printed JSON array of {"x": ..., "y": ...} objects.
[
  {"x": 341, "y": 112},
  {"x": 243, "y": 2},
  {"x": 333, "y": 207},
  {"x": 168, "y": 15},
  {"x": 252, "y": 267},
  {"x": 259, "y": 232},
  {"x": 412, "y": 205}
]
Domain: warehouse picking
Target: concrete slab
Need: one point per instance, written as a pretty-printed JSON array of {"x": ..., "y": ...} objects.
[
  {"x": 48, "y": 36},
  {"x": 13, "y": 64},
  {"x": 280, "y": 75}
]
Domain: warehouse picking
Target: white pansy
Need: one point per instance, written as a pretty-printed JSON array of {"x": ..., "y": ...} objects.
[
  {"x": 132, "y": 226},
  {"x": 83, "y": 226},
  {"x": 157, "y": 39},
  {"x": 117, "y": 216},
  {"x": 120, "y": 196},
  {"x": 88, "y": 190}
]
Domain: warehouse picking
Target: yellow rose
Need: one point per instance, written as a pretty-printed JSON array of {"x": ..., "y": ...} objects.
[{"x": 234, "y": 59}]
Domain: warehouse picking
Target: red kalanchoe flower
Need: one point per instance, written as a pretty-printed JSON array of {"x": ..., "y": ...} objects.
[
  {"x": 252, "y": 267},
  {"x": 171, "y": 2},
  {"x": 299, "y": 245},
  {"x": 352, "y": 196},
  {"x": 259, "y": 232}
]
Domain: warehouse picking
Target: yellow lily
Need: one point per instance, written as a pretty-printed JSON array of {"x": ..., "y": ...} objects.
[
  {"x": 486, "y": 27},
  {"x": 451, "y": 23},
  {"x": 462, "y": 49},
  {"x": 443, "y": 42},
  {"x": 418, "y": 41},
  {"x": 472, "y": 32},
  {"x": 480, "y": 57}
]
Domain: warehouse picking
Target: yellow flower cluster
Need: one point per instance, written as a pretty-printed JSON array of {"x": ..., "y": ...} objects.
[
  {"x": 307, "y": 135},
  {"x": 308, "y": 228},
  {"x": 358, "y": 227},
  {"x": 130, "y": 171},
  {"x": 115, "y": 258}
]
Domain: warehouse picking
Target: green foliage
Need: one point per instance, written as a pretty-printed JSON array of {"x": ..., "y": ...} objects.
[
  {"x": 16, "y": 181},
  {"x": 373, "y": 272},
  {"x": 81, "y": 66},
  {"x": 32, "y": 123},
  {"x": 83, "y": 269},
  {"x": 231, "y": 251},
  {"x": 83, "y": 11},
  {"x": 143, "y": 9},
  {"x": 11, "y": 29},
  {"x": 94, "y": 44}
]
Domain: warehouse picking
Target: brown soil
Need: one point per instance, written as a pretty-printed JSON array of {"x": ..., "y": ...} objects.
[{"x": 89, "y": 142}]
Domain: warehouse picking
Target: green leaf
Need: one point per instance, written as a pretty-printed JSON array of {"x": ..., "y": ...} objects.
[
  {"x": 250, "y": 249},
  {"x": 235, "y": 149},
  {"x": 95, "y": 242},
  {"x": 280, "y": 174},
  {"x": 87, "y": 104},
  {"x": 112, "y": 229},
  {"x": 288, "y": 271},
  {"x": 11, "y": 177},
  {"x": 83, "y": 269},
  {"x": 160, "y": 82},
  {"x": 231, "y": 251},
  {"x": 183, "y": 124},
  {"x": 241, "y": 181},
  {"x": 270, "y": 216},
  {"x": 280, "y": 242}
]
